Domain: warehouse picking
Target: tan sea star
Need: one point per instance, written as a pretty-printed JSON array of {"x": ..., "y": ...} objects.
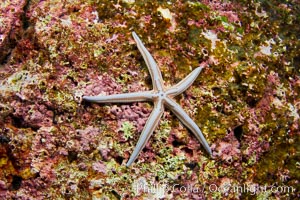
[{"x": 161, "y": 97}]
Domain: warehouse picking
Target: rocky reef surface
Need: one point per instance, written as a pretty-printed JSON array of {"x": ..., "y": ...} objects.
[{"x": 246, "y": 99}]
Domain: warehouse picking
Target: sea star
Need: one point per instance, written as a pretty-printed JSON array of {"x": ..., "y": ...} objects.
[{"x": 161, "y": 97}]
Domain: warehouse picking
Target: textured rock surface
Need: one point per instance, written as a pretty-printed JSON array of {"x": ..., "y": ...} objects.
[
  {"x": 246, "y": 100},
  {"x": 12, "y": 22}
]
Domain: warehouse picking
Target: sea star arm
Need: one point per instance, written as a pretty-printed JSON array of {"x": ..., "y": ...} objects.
[
  {"x": 155, "y": 73},
  {"x": 121, "y": 98},
  {"x": 151, "y": 124},
  {"x": 188, "y": 122},
  {"x": 184, "y": 83}
]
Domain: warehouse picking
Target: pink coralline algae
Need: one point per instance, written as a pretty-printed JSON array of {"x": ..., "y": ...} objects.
[
  {"x": 257, "y": 116},
  {"x": 228, "y": 151},
  {"x": 10, "y": 25},
  {"x": 137, "y": 113},
  {"x": 99, "y": 167},
  {"x": 88, "y": 138},
  {"x": 102, "y": 85},
  {"x": 35, "y": 115},
  {"x": 245, "y": 101}
]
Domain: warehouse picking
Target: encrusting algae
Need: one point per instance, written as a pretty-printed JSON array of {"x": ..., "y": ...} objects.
[{"x": 246, "y": 100}]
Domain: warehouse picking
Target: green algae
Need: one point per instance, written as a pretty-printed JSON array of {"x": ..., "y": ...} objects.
[
  {"x": 282, "y": 156},
  {"x": 127, "y": 129}
]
